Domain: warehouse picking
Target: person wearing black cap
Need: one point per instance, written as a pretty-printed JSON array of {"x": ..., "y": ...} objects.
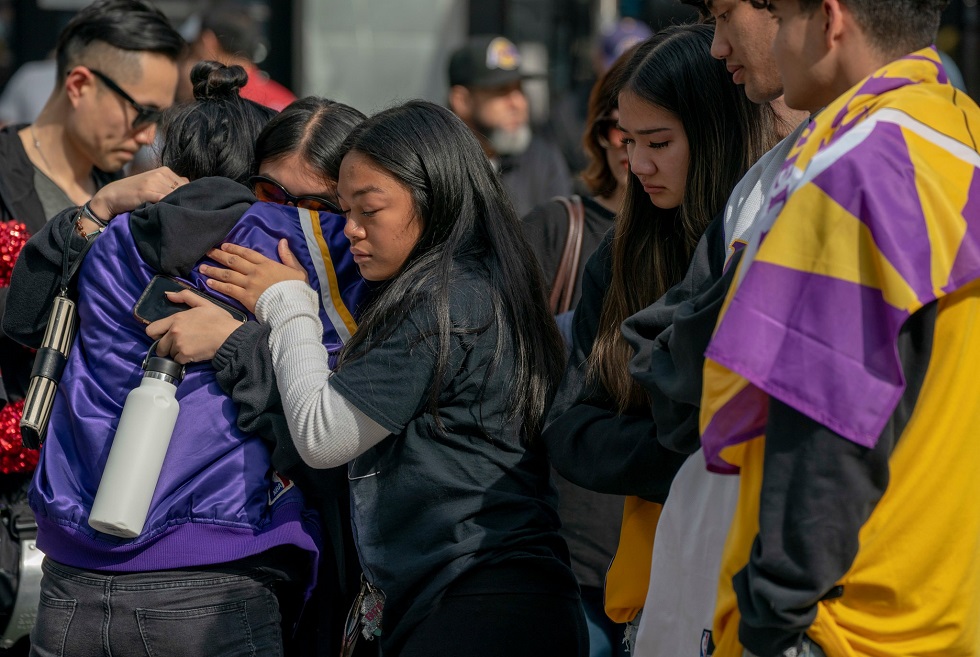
[{"x": 485, "y": 92}]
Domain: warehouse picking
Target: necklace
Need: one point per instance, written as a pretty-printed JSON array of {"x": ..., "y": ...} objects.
[{"x": 37, "y": 147}]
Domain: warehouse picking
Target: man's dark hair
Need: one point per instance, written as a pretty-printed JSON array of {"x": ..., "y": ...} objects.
[
  {"x": 893, "y": 26},
  {"x": 702, "y": 5},
  {"x": 123, "y": 24}
]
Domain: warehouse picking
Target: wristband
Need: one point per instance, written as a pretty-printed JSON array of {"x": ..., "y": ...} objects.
[
  {"x": 87, "y": 211},
  {"x": 81, "y": 230},
  {"x": 88, "y": 236}
]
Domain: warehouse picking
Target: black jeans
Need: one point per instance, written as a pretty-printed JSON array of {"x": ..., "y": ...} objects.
[
  {"x": 215, "y": 612},
  {"x": 473, "y": 620}
]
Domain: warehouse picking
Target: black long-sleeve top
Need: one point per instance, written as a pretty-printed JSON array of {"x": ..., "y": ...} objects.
[
  {"x": 589, "y": 442},
  {"x": 818, "y": 491}
]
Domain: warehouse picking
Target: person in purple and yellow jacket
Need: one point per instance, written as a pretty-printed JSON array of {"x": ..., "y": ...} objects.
[
  {"x": 838, "y": 380},
  {"x": 226, "y": 531}
]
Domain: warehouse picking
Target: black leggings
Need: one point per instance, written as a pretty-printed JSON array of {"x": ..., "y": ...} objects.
[{"x": 470, "y": 623}]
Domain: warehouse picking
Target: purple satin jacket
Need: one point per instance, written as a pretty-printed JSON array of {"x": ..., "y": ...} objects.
[{"x": 217, "y": 499}]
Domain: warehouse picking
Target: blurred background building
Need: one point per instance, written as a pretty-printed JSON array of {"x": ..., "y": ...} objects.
[{"x": 373, "y": 53}]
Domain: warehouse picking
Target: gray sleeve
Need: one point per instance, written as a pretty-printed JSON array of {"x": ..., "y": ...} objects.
[{"x": 326, "y": 428}]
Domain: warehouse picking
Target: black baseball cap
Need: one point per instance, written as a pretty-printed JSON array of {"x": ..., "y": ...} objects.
[{"x": 485, "y": 61}]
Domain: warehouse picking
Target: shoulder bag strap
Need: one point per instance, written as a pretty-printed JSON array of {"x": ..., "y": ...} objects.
[
  {"x": 563, "y": 286},
  {"x": 577, "y": 223}
]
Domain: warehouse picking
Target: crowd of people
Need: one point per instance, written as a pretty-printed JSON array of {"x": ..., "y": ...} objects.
[{"x": 437, "y": 396}]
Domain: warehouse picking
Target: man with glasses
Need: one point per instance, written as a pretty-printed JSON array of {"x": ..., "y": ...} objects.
[{"x": 116, "y": 72}]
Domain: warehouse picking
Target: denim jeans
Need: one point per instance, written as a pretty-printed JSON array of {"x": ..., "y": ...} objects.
[
  {"x": 807, "y": 649},
  {"x": 605, "y": 636},
  {"x": 218, "y": 612}
]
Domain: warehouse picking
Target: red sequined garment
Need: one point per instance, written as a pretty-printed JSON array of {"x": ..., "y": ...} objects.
[{"x": 14, "y": 457}]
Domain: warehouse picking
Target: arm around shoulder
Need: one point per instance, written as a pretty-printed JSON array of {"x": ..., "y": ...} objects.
[{"x": 326, "y": 428}]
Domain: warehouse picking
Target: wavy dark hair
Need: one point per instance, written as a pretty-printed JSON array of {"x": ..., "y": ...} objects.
[
  {"x": 468, "y": 224},
  {"x": 313, "y": 127},
  {"x": 214, "y": 135},
  {"x": 726, "y": 134},
  {"x": 603, "y": 100}
]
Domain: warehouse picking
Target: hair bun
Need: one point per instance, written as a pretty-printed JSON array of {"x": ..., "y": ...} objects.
[{"x": 215, "y": 81}]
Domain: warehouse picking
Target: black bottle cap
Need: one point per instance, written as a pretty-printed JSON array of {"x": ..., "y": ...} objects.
[{"x": 165, "y": 366}]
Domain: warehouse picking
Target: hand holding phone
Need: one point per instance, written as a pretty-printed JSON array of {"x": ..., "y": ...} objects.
[
  {"x": 192, "y": 327},
  {"x": 154, "y": 304}
]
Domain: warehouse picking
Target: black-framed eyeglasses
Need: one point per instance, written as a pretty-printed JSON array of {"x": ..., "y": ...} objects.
[
  {"x": 268, "y": 190},
  {"x": 144, "y": 115}
]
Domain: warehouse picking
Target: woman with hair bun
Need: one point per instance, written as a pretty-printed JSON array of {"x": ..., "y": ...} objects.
[{"x": 230, "y": 544}]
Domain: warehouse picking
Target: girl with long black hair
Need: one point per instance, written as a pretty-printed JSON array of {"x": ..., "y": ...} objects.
[
  {"x": 691, "y": 134},
  {"x": 438, "y": 399}
]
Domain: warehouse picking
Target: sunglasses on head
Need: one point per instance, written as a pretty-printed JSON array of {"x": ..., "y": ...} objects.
[
  {"x": 145, "y": 116},
  {"x": 268, "y": 190}
]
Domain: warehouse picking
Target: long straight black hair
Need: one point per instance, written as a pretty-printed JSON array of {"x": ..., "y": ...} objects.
[
  {"x": 726, "y": 134},
  {"x": 468, "y": 224}
]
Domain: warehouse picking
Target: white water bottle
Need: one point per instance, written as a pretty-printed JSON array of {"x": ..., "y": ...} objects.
[{"x": 138, "y": 450}]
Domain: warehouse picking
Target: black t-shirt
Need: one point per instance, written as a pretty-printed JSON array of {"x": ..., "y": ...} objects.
[{"x": 432, "y": 505}]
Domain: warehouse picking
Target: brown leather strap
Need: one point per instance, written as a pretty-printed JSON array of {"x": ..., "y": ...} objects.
[{"x": 563, "y": 287}]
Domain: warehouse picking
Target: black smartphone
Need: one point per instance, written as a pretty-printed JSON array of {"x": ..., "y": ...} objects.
[{"x": 153, "y": 304}]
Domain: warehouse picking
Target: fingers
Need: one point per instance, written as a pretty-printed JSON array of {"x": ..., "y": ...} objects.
[
  {"x": 231, "y": 261},
  {"x": 239, "y": 294},
  {"x": 225, "y": 275},
  {"x": 188, "y": 298},
  {"x": 160, "y": 327},
  {"x": 288, "y": 258},
  {"x": 247, "y": 254},
  {"x": 166, "y": 345}
]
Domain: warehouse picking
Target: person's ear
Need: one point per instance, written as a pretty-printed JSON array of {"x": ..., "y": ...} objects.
[
  {"x": 78, "y": 84},
  {"x": 833, "y": 19},
  {"x": 461, "y": 102}
]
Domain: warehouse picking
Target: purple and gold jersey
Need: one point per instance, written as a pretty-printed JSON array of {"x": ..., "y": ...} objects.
[{"x": 875, "y": 215}]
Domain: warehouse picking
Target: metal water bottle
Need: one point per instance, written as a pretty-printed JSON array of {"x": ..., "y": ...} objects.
[
  {"x": 48, "y": 367},
  {"x": 138, "y": 450}
]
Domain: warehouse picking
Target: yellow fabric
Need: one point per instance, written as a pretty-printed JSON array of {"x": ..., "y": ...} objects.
[
  {"x": 337, "y": 301},
  {"x": 628, "y": 576},
  {"x": 914, "y": 587}
]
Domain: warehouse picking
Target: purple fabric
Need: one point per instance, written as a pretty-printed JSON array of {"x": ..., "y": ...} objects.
[
  {"x": 215, "y": 488},
  {"x": 876, "y": 86},
  {"x": 742, "y": 419},
  {"x": 877, "y": 180},
  {"x": 822, "y": 345},
  {"x": 262, "y": 231},
  {"x": 966, "y": 266}
]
